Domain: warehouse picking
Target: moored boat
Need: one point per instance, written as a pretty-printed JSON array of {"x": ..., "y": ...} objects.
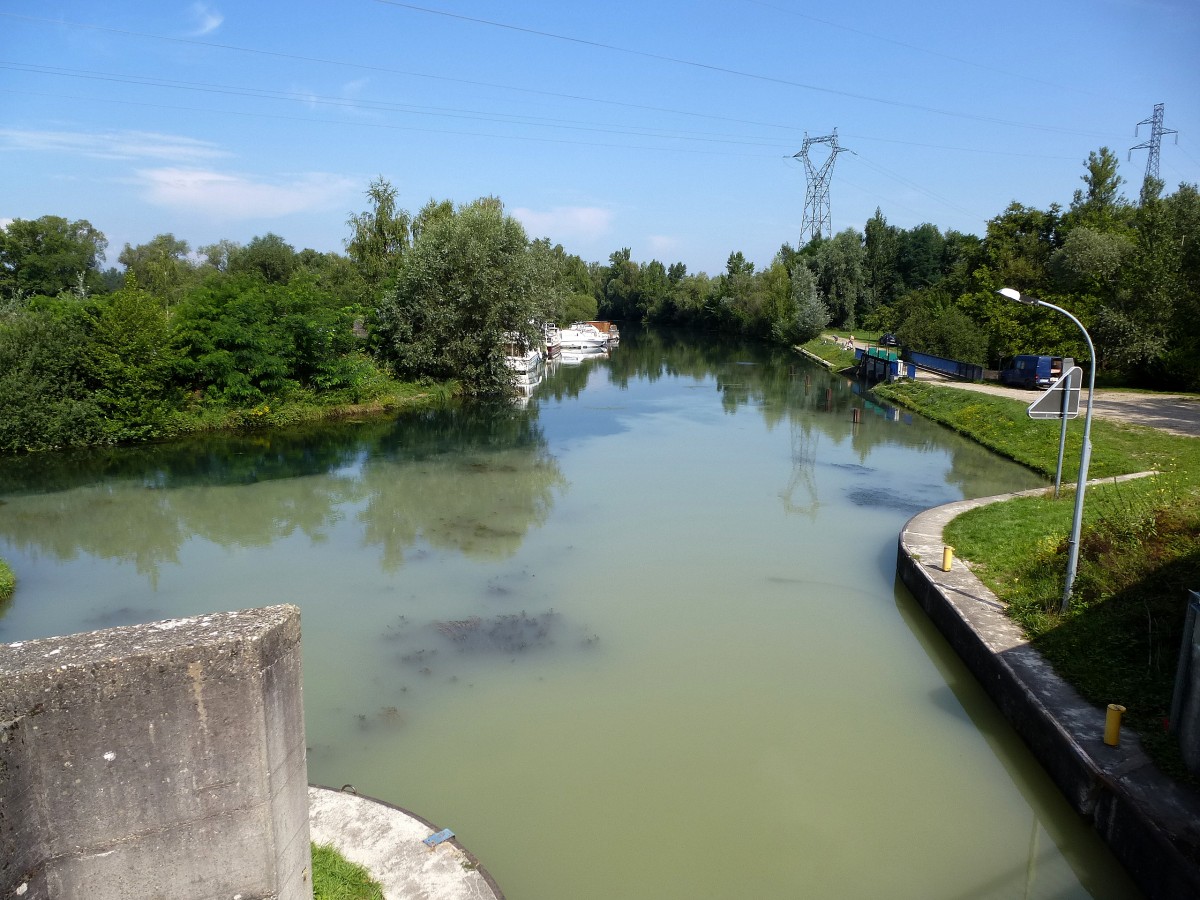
[{"x": 583, "y": 336}]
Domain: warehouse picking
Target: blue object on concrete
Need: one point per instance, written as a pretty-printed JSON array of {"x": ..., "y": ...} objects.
[{"x": 434, "y": 839}]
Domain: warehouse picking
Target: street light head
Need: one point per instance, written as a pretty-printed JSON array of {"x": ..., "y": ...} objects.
[{"x": 1016, "y": 295}]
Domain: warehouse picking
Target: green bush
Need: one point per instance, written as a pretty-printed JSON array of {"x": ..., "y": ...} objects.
[
  {"x": 8, "y": 582},
  {"x": 45, "y": 398}
]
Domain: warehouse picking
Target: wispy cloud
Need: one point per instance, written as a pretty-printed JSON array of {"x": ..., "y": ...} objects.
[
  {"x": 566, "y": 222},
  {"x": 206, "y": 20},
  {"x": 227, "y": 196},
  {"x": 112, "y": 144},
  {"x": 4, "y": 223}
]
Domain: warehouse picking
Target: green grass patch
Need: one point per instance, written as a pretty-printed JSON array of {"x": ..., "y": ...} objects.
[
  {"x": 304, "y": 407},
  {"x": 836, "y": 356},
  {"x": 336, "y": 878},
  {"x": 1119, "y": 640},
  {"x": 1002, "y": 424},
  {"x": 8, "y": 583}
]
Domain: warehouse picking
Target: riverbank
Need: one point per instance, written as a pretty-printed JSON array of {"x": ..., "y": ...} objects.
[
  {"x": 1151, "y": 822},
  {"x": 1119, "y": 639}
]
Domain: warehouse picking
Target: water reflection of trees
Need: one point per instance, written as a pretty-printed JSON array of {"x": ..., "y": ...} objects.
[
  {"x": 789, "y": 390},
  {"x": 473, "y": 480}
]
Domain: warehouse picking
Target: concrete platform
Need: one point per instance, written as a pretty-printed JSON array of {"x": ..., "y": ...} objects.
[
  {"x": 1151, "y": 822},
  {"x": 389, "y": 842}
]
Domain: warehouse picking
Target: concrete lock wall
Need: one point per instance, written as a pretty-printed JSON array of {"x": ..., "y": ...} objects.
[
  {"x": 162, "y": 760},
  {"x": 1185, "y": 706}
]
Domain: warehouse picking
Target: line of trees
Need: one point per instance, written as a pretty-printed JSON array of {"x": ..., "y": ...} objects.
[
  {"x": 91, "y": 355},
  {"x": 1129, "y": 271}
]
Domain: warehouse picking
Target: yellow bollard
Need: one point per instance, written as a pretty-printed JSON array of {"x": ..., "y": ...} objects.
[
  {"x": 947, "y": 558},
  {"x": 1112, "y": 724}
]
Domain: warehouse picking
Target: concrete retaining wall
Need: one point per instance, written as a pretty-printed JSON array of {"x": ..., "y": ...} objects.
[
  {"x": 163, "y": 760},
  {"x": 1151, "y": 823}
]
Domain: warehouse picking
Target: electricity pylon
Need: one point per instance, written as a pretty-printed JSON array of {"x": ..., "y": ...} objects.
[
  {"x": 816, "y": 196},
  {"x": 1153, "y": 143}
]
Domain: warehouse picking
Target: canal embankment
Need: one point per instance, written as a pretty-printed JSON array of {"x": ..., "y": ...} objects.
[{"x": 1151, "y": 822}]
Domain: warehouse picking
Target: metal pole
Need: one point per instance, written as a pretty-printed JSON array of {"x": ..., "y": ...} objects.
[
  {"x": 1062, "y": 436},
  {"x": 1084, "y": 456}
]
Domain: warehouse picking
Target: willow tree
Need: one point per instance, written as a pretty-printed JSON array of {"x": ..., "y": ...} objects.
[
  {"x": 381, "y": 235},
  {"x": 469, "y": 280}
]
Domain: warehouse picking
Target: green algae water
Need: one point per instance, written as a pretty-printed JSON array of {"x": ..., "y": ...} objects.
[{"x": 639, "y": 638}]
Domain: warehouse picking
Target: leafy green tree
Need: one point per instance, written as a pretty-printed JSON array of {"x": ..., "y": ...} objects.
[
  {"x": 1090, "y": 262},
  {"x": 161, "y": 267},
  {"x": 468, "y": 281},
  {"x": 738, "y": 303},
  {"x": 231, "y": 354},
  {"x": 50, "y": 255},
  {"x": 1136, "y": 328},
  {"x": 268, "y": 257},
  {"x": 130, "y": 364},
  {"x": 217, "y": 256},
  {"x": 838, "y": 266},
  {"x": 621, "y": 294},
  {"x": 381, "y": 235},
  {"x": 1100, "y": 206},
  {"x": 811, "y": 314},
  {"x": 656, "y": 292},
  {"x": 1018, "y": 247},
  {"x": 920, "y": 255},
  {"x": 935, "y": 326},
  {"x": 881, "y": 251},
  {"x": 45, "y": 401}
]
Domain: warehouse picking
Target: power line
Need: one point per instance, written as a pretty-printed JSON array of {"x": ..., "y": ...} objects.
[
  {"x": 451, "y": 112},
  {"x": 740, "y": 73}
]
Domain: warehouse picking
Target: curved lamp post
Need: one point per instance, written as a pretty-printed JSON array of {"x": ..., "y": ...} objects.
[{"x": 1084, "y": 454}]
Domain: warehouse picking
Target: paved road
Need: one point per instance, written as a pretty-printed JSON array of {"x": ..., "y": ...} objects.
[{"x": 1176, "y": 413}]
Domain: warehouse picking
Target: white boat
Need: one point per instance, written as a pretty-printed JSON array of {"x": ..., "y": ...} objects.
[
  {"x": 522, "y": 358},
  {"x": 583, "y": 336},
  {"x": 552, "y": 338},
  {"x": 609, "y": 330}
]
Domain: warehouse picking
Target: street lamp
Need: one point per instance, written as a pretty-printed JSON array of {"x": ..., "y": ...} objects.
[{"x": 1084, "y": 454}]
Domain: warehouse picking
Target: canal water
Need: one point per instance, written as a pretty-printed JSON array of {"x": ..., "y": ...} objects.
[{"x": 638, "y": 638}]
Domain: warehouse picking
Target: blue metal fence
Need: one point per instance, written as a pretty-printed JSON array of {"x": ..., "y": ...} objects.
[{"x": 951, "y": 367}]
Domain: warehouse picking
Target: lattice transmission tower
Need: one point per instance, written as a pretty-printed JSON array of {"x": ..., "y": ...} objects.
[
  {"x": 816, "y": 195},
  {"x": 1154, "y": 142}
]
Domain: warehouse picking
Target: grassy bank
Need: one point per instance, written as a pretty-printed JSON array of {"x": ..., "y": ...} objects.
[
  {"x": 383, "y": 396},
  {"x": 1139, "y": 551},
  {"x": 336, "y": 878},
  {"x": 8, "y": 583},
  {"x": 833, "y": 354}
]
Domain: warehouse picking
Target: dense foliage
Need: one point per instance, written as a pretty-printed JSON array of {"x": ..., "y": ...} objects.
[
  {"x": 470, "y": 283},
  {"x": 90, "y": 355},
  {"x": 1129, "y": 271}
]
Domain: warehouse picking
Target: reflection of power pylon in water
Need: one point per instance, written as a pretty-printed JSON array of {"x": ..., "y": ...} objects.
[{"x": 804, "y": 471}]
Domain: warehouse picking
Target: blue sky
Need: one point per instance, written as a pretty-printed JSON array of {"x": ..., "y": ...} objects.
[{"x": 667, "y": 127}]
